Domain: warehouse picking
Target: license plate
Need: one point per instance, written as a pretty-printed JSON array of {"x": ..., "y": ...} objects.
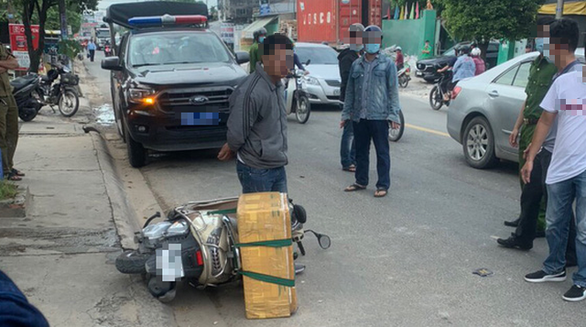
[
  {"x": 200, "y": 118},
  {"x": 169, "y": 263},
  {"x": 337, "y": 92},
  {"x": 418, "y": 73}
]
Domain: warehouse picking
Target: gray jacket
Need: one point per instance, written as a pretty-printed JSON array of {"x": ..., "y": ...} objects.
[
  {"x": 257, "y": 126},
  {"x": 383, "y": 95}
]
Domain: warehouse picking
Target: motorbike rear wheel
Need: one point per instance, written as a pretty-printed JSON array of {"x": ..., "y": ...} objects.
[
  {"x": 435, "y": 98},
  {"x": 403, "y": 81},
  {"x": 27, "y": 115},
  {"x": 302, "y": 109},
  {"x": 68, "y": 103},
  {"x": 132, "y": 262}
]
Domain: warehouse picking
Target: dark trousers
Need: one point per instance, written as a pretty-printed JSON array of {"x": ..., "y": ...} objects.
[
  {"x": 8, "y": 132},
  {"x": 261, "y": 180},
  {"x": 531, "y": 198},
  {"x": 92, "y": 54},
  {"x": 348, "y": 146},
  {"x": 378, "y": 132}
]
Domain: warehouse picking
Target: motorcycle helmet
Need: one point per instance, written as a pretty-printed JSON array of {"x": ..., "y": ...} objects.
[
  {"x": 476, "y": 52},
  {"x": 258, "y": 33},
  {"x": 398, "y": 49},
  {"x": 374, "y": 28},
  {"x": 465, "y": 49}
]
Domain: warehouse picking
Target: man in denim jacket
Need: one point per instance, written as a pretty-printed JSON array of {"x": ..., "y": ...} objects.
[{"x": 372, "y": 104}]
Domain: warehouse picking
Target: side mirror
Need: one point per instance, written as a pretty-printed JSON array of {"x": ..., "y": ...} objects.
[
  {"x": 112, "y": 63},
  {"x": 242, "y": 57},
  {"x": 308, "y": 62}
]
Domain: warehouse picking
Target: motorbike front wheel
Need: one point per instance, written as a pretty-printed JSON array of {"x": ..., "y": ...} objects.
[
  {"x": 68, "y": 103},
  {"x": 27, "y": 115},
  {"x": 403, "y": 81},
  {"x": 435, "y": 98},
  {"x": 396, "y": 134},
  {"x": 132, "y": 262},
  {"x": 303, "y": 109}
]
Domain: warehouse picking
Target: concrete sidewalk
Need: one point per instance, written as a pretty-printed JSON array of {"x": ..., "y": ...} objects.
[{"x": 62, "y": 253}]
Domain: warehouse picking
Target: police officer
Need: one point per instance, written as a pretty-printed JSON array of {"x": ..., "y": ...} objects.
[
  {"x": 8, "y": 115},
  {"x": 254, "y": 52}
]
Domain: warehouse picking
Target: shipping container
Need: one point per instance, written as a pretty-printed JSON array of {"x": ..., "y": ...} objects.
[{"x": 329, "y": 20}]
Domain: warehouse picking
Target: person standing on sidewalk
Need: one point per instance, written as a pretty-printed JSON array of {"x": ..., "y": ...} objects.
[
  {"x": 257, "y": 126},
  {"x": 426, "y": 53},
  {"x": 371, "y": 104},
  {"x": 8, "y": 116},
  {"x": 254, "y": 51},
  {"x": 534, "y": 193},
  {"x": 91, "y": 47},
  {"x": 345, "y": 60},
  {"x": 540, "y": 78},
  {"x": 566, "y": 176}
]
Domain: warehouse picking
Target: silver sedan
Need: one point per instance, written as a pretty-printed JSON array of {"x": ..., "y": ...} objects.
[{"x": 485, "y": 108}]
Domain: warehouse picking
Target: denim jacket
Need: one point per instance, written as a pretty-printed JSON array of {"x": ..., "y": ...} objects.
[{"x": 383, "y": 98}]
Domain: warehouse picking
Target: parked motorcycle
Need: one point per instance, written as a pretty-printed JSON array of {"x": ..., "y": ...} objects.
[
  {"x": 298, "y": 103},
  {"x": 439, "y": 91},
  {"x": 62, "y": 93},
  {"x": 26, "y": 91},
  {"x": 200, "y": 238}
]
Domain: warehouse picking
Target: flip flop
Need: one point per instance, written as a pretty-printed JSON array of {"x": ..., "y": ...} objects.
[
  {"x": 381, "y": 192},
  {"x": 354, "y": 187},
  {"x": 13, "y": 177},
  {"x": 17, "y": 172}
]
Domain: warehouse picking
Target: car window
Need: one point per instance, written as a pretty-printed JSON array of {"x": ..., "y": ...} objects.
[
  {"x": 176, "y": 49},
  {"x": 318, "y": 55},
  {"x": 508, "y": 77},
  {"x": 522, "y": 76}
]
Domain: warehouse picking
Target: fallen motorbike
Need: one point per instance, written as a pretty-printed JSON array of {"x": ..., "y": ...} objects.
[
  {"x": 61, "y": 93},
  {"x": 200, "y": 238},
  {"x": 438, "y": 94},
  {"x": 298, "y": 103},
  {"x": 26, "y": 91}
]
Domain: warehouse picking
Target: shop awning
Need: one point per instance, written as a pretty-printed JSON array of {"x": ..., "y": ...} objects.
[
  {"x": 256, "y": 25},
  {"x": 570, "y": 8}
]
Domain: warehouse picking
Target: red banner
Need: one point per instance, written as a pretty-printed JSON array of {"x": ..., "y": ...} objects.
[{"x": 18, "y": 44}]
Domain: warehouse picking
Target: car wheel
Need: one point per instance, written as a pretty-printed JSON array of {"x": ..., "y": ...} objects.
[
  {"x": 478, "y": 144},
  {"x": 137, "y": 154}
]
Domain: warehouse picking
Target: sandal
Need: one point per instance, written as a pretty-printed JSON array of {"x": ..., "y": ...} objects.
[
  {"x": 18, "y": 172},
  {"x": 351, "y": 168},
  {"x": 354, "y": 187},
  {"x": 13, "y": 177},
  {"x": 381, "y": 192}
]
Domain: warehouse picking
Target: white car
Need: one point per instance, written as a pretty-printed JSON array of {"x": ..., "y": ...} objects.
[{"x": 323, "y": 80}]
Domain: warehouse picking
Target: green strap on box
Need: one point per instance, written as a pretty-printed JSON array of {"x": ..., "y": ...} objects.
[
  {"x": 272, "y": 243},
  {"x": 222, "y": 212},
  {"x": 267, "y": 278}
]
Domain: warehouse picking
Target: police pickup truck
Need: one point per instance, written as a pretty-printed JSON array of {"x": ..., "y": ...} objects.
[{"x": 170, "y": 78}]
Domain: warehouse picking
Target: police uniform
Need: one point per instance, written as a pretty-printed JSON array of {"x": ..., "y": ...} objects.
[{"x": 8, "y": 117}]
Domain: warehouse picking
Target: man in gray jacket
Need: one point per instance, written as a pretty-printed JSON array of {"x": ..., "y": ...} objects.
[{"x": 257, "y": 126}]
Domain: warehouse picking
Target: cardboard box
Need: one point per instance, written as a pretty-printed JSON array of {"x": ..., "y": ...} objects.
[{"x": 264, "y": 217}]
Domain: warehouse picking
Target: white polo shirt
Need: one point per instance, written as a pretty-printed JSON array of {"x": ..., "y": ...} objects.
[{"x": 567, "y": 98}]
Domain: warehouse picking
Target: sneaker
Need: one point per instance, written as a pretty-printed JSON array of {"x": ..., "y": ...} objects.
[
  {"x": 575, "y": 294},
  {"x": 513, "y": 243},
  {"x": 541, "y": 276}
]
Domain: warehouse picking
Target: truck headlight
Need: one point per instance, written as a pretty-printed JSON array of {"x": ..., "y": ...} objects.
[
  {"x": 311, "y": 80},
  {"x": 141, "y": 94}
]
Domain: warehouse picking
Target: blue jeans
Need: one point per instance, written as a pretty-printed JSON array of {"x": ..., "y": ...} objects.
[
  {"x": 561, "y": 196},
  {"x": 378, "y": 132},
  {"x": 261, "y": 180},
  {"x": 348, "y": 146}
]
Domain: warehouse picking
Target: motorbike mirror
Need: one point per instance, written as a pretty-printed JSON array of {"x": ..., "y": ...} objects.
[
  {"x": 307, "y": 62},
  {"x": 324, "y": 241}
]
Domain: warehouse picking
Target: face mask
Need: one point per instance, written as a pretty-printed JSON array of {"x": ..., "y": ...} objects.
[
  {"x": 372, "y": 48},
  {"x": 261, "y": 39},
  {"x": 356, "y": 47},
  {"x": 542, "y": 45}
]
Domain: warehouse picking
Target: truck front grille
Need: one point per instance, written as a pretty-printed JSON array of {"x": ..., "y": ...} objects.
[{"x": 195, "y": 99}]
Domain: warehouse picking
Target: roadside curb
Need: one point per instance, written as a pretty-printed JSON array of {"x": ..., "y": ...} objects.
[
  {"x": 123, "y": 213},
  {"x": 17, "y": 206}
]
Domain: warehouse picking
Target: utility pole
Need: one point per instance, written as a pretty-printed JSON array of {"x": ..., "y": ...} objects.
[{"x": 559, "y": 9}]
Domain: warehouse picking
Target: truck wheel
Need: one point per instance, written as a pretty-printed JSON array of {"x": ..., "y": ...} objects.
[{"x": 137, "y": 154}]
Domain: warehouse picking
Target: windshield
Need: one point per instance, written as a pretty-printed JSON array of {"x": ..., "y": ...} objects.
[
  {"x": 317, "y": 55},
  {"x": 450, "y": 52},
  {"x": 179, "y": 48},
  {"x": 103, "y": 34}
]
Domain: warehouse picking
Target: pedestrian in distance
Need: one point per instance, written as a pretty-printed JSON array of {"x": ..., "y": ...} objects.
[
  {"x": 534, "y": 193},
  {"x": 371, "y": 105},
  {"x": 478, "y": 62},
  {"x": 345, "y": 60},
  {"x": 254, "y": 52},
  {"x": 427, "y": 51},
  {"x": 400, "y": 60},
  {"x": 91, "y": 48},
  {"x": 8, "y": 117},
  {"x": 257, "y": 126},
  {"x": 564, "y": 108}
]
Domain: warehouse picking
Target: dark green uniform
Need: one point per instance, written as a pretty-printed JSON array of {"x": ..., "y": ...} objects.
[
  {"x": 8, "y": 117},
  {"x": 540, "y": 78},
  {"x": 255, "y": 55}
]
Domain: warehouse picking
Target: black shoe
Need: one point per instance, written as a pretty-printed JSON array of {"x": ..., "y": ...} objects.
[
  {"x": 575, "y": 294},
  {"x": 512, "y": 223},
  {"x": 541, "y": 276},
  {"x": 540, "y": 234},
  {"x": 513, "y": 243},
  {"x": 299, "y": 268}
]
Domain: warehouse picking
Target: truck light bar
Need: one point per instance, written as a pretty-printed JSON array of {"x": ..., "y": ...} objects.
[{"x": 167, "y": 20}]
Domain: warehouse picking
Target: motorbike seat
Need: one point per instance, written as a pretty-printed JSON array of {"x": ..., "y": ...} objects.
[
  {"x": 45, "y": 78},
  {"x": 20, "y": 82}
]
